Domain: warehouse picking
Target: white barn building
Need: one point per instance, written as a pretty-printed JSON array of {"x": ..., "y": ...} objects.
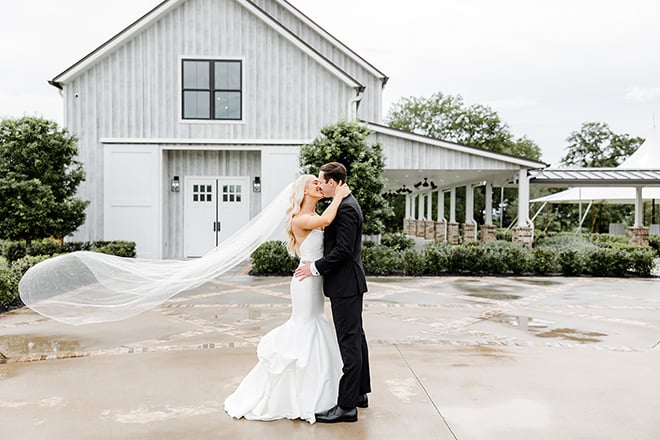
[{"x": 190, "y": 120}]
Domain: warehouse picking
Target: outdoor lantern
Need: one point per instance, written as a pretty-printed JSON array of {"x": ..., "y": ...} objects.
[
  {"x": 256, "y": 184},
  {"x": 175, "y": 184}
]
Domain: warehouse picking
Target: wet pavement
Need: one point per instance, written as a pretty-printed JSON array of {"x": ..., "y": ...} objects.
[{"x": 452, "y": 358}]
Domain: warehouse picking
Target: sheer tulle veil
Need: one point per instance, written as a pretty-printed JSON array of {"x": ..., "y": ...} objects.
[{"x": 89, "y": 287}]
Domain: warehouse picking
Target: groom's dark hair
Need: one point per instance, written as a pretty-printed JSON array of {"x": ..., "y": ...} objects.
[{"x": 334, "y": 171}]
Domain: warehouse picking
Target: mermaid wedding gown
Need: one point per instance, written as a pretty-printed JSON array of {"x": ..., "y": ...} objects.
[{"x": 299, "y": 362}]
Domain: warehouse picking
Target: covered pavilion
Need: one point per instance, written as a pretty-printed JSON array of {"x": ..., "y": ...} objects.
[
  {"x": 425, "y": 169},
  {"x": 637, "y": 179}
]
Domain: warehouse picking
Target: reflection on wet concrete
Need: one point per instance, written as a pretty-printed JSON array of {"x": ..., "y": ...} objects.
[
  {"x": 481, "y": 350},
  {"x": 496, "y": 296},
  {"x": 32, "y": 345},
  {"x": 487, "y": 290},
  {"x": 543, "y": 329},
  {"x": 540, "y": 281},
  {"x": 573, "y": 335}
]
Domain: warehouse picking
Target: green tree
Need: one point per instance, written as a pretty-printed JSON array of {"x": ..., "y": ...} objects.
[
  {"x": 447, "y": 117},
  {"x": 596, "y": 145},
  {"x": 38, "y": 180},
  {"x": 346, "y": 142}
]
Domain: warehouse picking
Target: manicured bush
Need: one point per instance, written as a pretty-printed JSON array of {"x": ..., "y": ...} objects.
[
  {"x": 545, "y": 260},
  {"x": 272, "y": 258},
  {"x": 490, "y": 262},
  {"x": 413, "y": 263},
  {"x": 436, "y": 256},
  {"x": 10, "y": 275},
  {"x": 642, "y": 261},
  {"x": 14, "y": 250},
  {"x": 507, "y": 257},
  {"x": 654, "y": 243},
  {"x": 397, "y": 241},
  {"x": 465, "y": 258},
  {"x": 381, "y": 260},
  {"x": 118, "y": 248},
  {"x": 605, "y": 261}
]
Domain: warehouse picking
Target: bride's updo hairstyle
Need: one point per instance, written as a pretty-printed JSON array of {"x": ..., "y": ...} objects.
[{"x": 297, "y": 196}]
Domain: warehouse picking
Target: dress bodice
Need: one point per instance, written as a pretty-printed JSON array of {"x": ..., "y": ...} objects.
[{"x": 312, "y": 247}]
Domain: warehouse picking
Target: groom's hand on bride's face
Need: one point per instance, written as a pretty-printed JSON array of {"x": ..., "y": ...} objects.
[{"x": 303, "y": 271}]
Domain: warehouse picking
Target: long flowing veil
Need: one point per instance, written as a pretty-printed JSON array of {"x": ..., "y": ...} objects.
[{"x": 90, "y": 287}]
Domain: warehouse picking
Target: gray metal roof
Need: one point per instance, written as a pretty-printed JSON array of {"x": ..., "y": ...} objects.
[{"x": 595, "y": 177}]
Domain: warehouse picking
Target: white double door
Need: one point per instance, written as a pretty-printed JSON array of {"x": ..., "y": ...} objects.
[{"x": 214, "y": 208}]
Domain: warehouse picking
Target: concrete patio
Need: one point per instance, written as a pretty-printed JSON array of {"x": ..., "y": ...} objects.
[{"x": 452, "y": 358}]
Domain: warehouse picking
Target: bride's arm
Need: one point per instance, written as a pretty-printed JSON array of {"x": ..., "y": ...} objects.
[{"x": 309, "y": 222}]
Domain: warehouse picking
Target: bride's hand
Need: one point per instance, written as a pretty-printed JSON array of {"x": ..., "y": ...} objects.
[{"x": 342, "y": 191}]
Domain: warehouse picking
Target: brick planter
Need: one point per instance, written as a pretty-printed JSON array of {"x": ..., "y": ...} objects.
[
  {"x": 638, "y": 236},
  {"x": 469, "y": 230},
  {"x": 522, "y": 235},
  {"x": 488, "y": 233},
  {"x": 452, "y": 233}
]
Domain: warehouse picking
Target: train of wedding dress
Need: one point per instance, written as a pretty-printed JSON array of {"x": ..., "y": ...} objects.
[{"x": 89, "y": 287}]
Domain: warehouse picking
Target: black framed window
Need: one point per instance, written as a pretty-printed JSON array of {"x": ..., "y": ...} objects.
[{"x": 212, "y": 89}]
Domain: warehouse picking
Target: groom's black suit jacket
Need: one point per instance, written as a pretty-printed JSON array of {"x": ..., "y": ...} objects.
[{"x": 341, "y": 264}]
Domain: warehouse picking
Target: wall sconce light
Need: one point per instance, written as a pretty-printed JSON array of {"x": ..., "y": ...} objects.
[
  {"x": 175, "y": 184},
  {"x": 256, "y": 184}
]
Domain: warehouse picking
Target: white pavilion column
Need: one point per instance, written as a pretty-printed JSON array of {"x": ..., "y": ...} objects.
[
  {"x": 469, "y": 227},
  {"x": 638, "y": 234},
  {"x": 488, "y": 217},
  {"x": 420, "y": 232},
  {"x": 441, "y": 226},
  {"x": 639, "y": 208},
  {"x": 523, "y": 198},
  {"x": 452, "y": 205},
  {"x": 523, "y": 233},
  {"x": 452, "y": 227},
  {"x": 429, "y": 206},
  {"x": 407, "y": 217},
  {"x": 429, "y": 224},
  {"x": 469, "y": 204},
  {"x": 441, "y": 206},
  {"x": 488, "y": 230}
]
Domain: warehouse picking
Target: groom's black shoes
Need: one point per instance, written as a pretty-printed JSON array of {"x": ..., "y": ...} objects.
[
  {"x": 337, "y": 414},
  {"x": 363, "y": 401}
]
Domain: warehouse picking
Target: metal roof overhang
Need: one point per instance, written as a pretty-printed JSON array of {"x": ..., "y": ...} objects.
[{"x": 601, "y": 177}]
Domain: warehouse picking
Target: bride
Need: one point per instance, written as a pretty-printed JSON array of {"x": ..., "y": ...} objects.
[{"x": 299, "y": 362}]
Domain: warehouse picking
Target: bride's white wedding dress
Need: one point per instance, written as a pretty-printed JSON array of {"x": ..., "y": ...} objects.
[{"x": 299, "y": 362}]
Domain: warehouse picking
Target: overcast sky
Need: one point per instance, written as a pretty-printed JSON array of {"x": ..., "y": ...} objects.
[{"x": 544, "y": 67}]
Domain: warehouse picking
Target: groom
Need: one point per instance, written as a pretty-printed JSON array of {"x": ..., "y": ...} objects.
[{"x": 344, "y": 283}]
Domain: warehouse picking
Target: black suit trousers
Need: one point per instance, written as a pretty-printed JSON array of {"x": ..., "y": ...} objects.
[{"x": 347, "y": 317}]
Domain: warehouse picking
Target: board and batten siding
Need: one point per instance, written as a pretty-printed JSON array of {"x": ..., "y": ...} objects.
[
  {"x": 371, "y": 103},
  {"x": 406, "y": 154},
  {"x": 134, "y": 91}
]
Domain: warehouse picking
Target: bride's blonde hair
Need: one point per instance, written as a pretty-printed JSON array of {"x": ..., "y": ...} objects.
[{"x": 295, "y": 201}]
